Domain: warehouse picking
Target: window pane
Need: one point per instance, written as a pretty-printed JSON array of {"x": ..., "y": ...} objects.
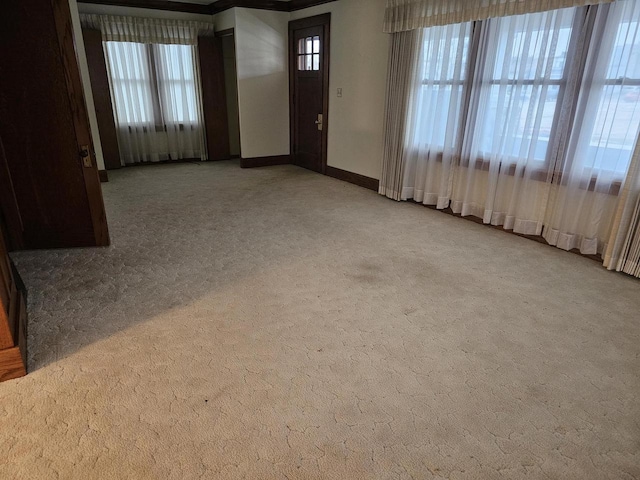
[
  {"x": 130, "y": 82},
  {"x": 176, "y": 82},
  {"x": 301, "y": 46},
  {"x": 607, "y": 127},
  {"x": 443, "y": 66},
  {"x": 532, "y": 46},
  {"x": 445, "y": 51},
  {"x": 309, "y": 45},
  {"x": 308, "y": 60},
  {"x": 625, "y": 58},
  {"x": 316, "y": 62},
  {"x": 300, "y": 62},
  {"x": 520, "y": 86},
  {"x": 316, "y": 44}
]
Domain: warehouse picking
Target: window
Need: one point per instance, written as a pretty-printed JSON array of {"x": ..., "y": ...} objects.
[
  {"x": 444, "y": 65},
  {"x": 176, "y": 82},
  {"x": 309, "y": 53},
  {"x": 496, "y": 92},
  {"x": 153, "y": 83},
  {"x": 524, "y": 76},
  {"x": 610, "y": 120},
  {"x": 131, "y": 78}
]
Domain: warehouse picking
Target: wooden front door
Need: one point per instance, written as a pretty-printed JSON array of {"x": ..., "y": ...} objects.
[
  {"x": 44, "y": 131},
  {"x": 309, "y": 88}
]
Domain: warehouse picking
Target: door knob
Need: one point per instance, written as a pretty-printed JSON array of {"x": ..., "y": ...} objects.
[
  {"x": 85, "y": 155},
  {"x": 319, "y": 121}
]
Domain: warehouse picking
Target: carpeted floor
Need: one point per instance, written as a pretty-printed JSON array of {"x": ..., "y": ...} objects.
[{"x": 277, "y": 324}]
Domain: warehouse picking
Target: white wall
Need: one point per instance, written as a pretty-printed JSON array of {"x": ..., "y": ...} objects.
[
  {"x": 86, "y": 83},
  {"x": 225, "y": 20},
  {"x": 359, "y": 54},
  {"x": 263, "y": 81}
]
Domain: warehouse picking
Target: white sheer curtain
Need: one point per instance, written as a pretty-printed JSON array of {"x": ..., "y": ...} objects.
[
  {"x": 433, "y": 135},
  {"x": 156, "y": 101},
  {"x": 134, "y": 101},
  {"x": 483, "y": 146},
  {"x": 507, "y": 159},
  {"x": 405, "y": 15},
  {"x": 119, "y": 28},
  {"x": 178, "y": 87},
  {"x": 604, "y": 134}
]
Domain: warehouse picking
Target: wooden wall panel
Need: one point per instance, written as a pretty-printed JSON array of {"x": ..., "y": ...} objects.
[
  {"x": 214, "y": 97},
  {"x": 102, "y": 97}
]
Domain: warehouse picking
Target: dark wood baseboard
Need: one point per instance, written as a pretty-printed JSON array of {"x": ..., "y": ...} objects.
[
  {"x": 104, "y": 177},
  {"x": 165, "y": 162},
  {"x": 355, "y": 178},
  {"x": 265, "y": 161}
]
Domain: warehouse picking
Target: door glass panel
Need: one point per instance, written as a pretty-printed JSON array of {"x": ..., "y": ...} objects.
[{"x": 309, "y": 53}]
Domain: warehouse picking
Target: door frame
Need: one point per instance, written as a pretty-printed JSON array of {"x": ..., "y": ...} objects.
[{"x": 324, "y": 21}]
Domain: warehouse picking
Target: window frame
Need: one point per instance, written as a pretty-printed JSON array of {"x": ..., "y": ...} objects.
[{"x": 159, "y": 118}]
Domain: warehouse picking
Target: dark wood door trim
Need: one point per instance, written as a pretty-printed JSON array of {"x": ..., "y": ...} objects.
[
  {"x": 9, "y": 208},
  {"x": 214, "y": 98},
  {"x": 324, "y": 21},
  {"x": 102, "y": 97},
  {"x": 64, "y": 31}
]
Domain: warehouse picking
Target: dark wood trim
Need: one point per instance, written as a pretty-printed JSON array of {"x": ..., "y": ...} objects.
[
  {"x": 292, "y": 6},
  {"x": 157, "y": 5},
  {"x": 323, "y": 20},
  {"x": 301, "y": 4},
  {"x": 165, "y": 162},
  {"x": 228, "y": 32},
  {"x": 265, "y": 161},
  {"x": 214, "y": 97},
  {"x": 355, "y": 178},
  {"x": 221, "y": 5},
  {"x": 9, "y": 210},
  {"x": 215, "y": 7},
  {"x": 64, "y": 31},
  {"x": 13, "y": 357},
  {"x": 104, "y": 177},
  {"x": 102, "y": 97}
]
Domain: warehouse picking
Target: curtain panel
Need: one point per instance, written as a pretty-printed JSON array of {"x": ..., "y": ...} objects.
[
  {"x": 528, "y": 122},
  {"x": 623, "y": 250},
  {"x": 403, "y": 64},
  {"x": 147, "y": 30},
  {"x": 404, "y": 15}
]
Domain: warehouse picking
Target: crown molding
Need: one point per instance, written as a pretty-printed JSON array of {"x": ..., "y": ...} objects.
[
  {"x": 156, "y": 5},
  {"x": 215, "y": 7}
]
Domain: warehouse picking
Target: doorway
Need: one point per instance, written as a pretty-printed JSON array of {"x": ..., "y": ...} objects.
[{"x": 309, "y": 91}]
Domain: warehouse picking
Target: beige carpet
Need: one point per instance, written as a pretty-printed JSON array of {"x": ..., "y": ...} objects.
[{"x": 278, "y": 324}]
